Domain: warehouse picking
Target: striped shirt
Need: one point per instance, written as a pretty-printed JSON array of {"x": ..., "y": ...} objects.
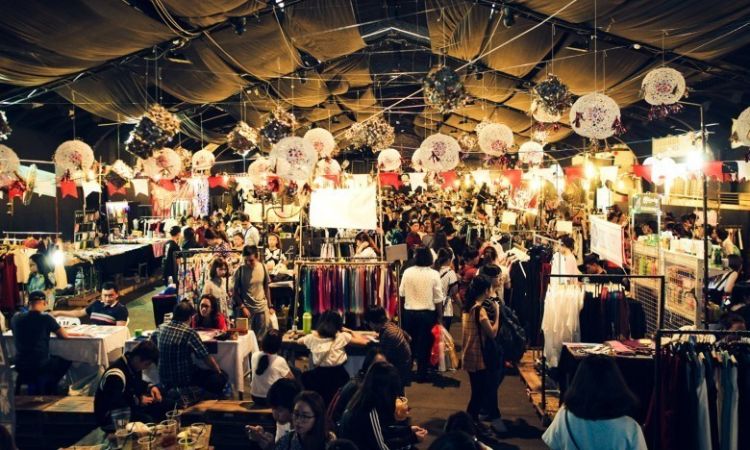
[{"x": 102, "y": 314}]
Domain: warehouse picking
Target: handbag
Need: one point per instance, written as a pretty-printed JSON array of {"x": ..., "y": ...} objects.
[{"x": 490, "y": 354}]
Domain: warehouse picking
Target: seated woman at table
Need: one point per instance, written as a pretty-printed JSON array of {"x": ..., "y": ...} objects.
[
  {"x": 267, "y": 367},
  {"x": 309, "y": 426},
  {"x": 327, "y": 345},
  {"x": 122, "y": 387},
  {"x": 218, "y": 284},
  {"x": 208, "y": 315}
]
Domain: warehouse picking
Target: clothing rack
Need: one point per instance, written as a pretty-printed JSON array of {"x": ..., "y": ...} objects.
[
  {"x": 40, "y": 233},
  {"x": 299, "y": 263},
  {"x": 185, "y": 254},
  {"x": 657, "y": 366},
  {"x": 662, "y": 288}
]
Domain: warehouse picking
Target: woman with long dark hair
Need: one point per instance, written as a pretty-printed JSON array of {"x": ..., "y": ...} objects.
[
  {"x": 479, "y": 352},
  {"x": 189, "y": 239},
  {"x": 370, "y": 418},
  {"x": 309, "y": 426},
  {"x": 218, "y": 284},
  {"x": 208, "y": 315},
  {"x": 365, "y": 246},
  {"x": 596, "y": 411},
  {"x": 267, "y": 366}
]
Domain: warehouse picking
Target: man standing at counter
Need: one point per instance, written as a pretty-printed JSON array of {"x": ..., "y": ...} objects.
[
  {"x": 107, "y": 311},
  {"x": 31, "y": 335}
]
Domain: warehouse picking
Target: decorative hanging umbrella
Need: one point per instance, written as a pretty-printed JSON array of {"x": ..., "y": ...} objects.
[
  {"x": 439, "y": 153},
  {"x": 74, "y": 160},
  {"x": 416, "y": 160},
  {"x": 259, "y": 170},
  {"x": 203, "y": 161},
  {"x": 328, "y": 167},
  {"x": 389, "y": 160},
  {"x": 322, "y": 141},
  {"x": 164, "y": 164},
  {"x": 9, "y": 165},
  {"x": 595, "y": 116},
  {"x": 663, "y": 88},
  {"x": 300, "y": 156},
  {"x": 495, "y": 139},
  {"x": 531, "y": 153}
]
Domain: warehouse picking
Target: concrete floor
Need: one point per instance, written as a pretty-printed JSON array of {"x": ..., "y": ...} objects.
[{"x": 431, "y": 403}]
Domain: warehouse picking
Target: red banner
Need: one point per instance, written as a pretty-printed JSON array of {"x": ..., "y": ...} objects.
[
  {"x": 112, "y": 189},
  {"x": 390, "y": 179},
  {"x": 68, "y": 189}
]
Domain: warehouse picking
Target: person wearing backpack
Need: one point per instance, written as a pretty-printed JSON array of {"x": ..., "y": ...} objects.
[{"x": 449, "y": 282}]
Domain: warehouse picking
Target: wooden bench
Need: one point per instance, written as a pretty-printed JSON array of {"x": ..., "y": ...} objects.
[
  {"x": 48, "y": 422},
  {"x": 228, "y": 418}
]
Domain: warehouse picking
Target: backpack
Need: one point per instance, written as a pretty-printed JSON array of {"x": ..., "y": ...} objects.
[{"x": 512, "y": 337}]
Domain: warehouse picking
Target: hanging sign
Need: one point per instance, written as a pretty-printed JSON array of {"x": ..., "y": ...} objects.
[
  {"x": 607, "y": 240},
  {"x": 353, "y": 208},
  {"x": 645, "y": 204}
]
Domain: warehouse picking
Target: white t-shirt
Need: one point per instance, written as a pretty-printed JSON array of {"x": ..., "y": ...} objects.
[
  {"x": 277, "y": 369},
  {"x": 421, "y": 288},
  {"x": 448, "y": 278},
  {"x": 622, "y": 433},
  {"x": 327, "y": 352},
  {"x": 282, "y": 430},
  {"x": 252, "y": 236}
]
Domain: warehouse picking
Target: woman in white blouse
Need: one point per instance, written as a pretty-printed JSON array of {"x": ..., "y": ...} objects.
[
  {"x": 423, "y": 298},
  {"x": 365, "y": 246},
  {"x": 218, "y": 285},
  {"x": 327, "y": 345}
]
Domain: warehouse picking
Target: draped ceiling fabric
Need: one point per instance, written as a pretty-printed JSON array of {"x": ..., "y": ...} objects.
[
  {"x": 43, "y": 41},
  {"x": 203, "y": 13}
]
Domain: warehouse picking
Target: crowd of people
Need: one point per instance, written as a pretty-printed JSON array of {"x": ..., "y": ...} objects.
[{"x": 455, "y": 276}]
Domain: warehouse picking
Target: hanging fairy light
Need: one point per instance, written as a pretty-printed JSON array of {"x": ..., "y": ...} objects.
[
  {"x": 551, "y": 98},
  {"x": 375, "y": 134},
  {"x": 154, "y": 130},
  {"x": 443, "y": 90},
  {"x": 278, "y": 126},
  {"x": 243, "y": 139}
]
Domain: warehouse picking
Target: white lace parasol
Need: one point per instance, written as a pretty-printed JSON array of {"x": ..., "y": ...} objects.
[
  {"x": 663, "y": 86},
  {"x": 328, "y": 167},
  {"x": 595, "y": 116},
  {"x": 389, "y": 160},
  {"x": 73, "y": 159},
  {"x": 495, "y": 139},
  {"x": 741, "y": 128},
  {"x": 322, "y": 141},
  {"x": 439, "y": 153},
  {"x": 164, "y": 164},
  {"x": 203, "y": 161},
  {"x": 300, "y": 156},
  {"x": 531, "y": 153}
]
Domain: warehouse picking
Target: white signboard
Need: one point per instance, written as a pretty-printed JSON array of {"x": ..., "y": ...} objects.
[
  {"x": 607, "y": 240},
  {"x": 353, "y": 208}
]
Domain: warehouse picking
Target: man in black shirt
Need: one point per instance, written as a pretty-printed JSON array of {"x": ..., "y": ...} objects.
[
  {"x": 122, "y": 386},
  {"x": 107, "y": 311},
  {"x": 169, "y": 263},
  {"x": 31, "y": 335}
]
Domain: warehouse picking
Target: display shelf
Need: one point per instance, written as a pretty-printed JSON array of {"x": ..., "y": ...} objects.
[{"x": 86, "y": 231}]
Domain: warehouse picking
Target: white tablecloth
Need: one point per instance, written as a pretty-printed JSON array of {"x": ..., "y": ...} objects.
[
  {"x": 92, "y": 349},
  {"x": 230, "y": 355}
]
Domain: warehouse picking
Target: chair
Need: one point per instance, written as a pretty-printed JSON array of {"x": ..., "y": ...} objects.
[{"x": 68, "y": 321}]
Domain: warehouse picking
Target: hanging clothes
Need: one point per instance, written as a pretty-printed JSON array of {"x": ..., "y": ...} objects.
[{"x": 560, "y": 323}]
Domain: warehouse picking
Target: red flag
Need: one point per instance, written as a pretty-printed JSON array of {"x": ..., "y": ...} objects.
[
  {"x": 390, "y": 179},
  {"x": 68, "y": 189},
  {"x": 15, "y": 190},
  {"x": 448, "y": 179},
  {"x": 112, "y": 189},
  {"x": 643, "y": 172},
  {"x": 714, "y": 169},
  {"x": 335, "y": 178},
  {"x": 217, "y": 181},
  {"x": 514, "y": 177},
  {"x": 573, "y": 173},
  {"x": 167, "y": 184}
]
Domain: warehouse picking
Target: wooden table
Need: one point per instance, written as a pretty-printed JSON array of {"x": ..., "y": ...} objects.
[{"x": 98, "y": 438}]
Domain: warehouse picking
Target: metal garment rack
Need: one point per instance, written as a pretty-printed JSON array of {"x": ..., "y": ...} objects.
[
  {"x": 656, "y": 438},
  {"x": 185, "y": 254},
  {"x": 582, "y": 277},
  {"x": 299, "y": 263},
  {"x": 32, "y": 233}
]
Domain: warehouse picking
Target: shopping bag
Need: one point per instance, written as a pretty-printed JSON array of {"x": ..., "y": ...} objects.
[
  {"x": 274, "y": 319},
  {"x": 451, "y": 357},
  {"x": 435, "y": 353}
]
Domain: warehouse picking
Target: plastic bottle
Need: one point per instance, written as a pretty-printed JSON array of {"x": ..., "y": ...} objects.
[
  {"x": 306, "y": 322},
  {"x": 170, "y": 282}
]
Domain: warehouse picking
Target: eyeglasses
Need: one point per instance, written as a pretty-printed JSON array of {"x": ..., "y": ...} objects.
[
  {"x": 302, "y": 417},
  {"x": 205, "y": 306}
]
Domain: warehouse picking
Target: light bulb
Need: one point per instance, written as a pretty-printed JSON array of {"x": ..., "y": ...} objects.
[
  {"x": 589, "y": 170},
  {"x": 694, "y": 161},
  {"x": 58, "y": 258}
]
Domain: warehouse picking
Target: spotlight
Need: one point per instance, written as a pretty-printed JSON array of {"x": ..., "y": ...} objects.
[
  {"x": 239, "y": 24},
  {"x": 509, "y": 18}
]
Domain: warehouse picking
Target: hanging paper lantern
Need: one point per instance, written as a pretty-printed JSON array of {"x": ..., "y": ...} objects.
[
  {"x": 389, "y": 160},
  {"x": 495, "y": 139},
  {"x": 551, "y": 98},
  {"x": 741, "y": 129},
  {"x": 531, "y": 153},
  {"x": 4, "y": 127},
  {"x": 73, "y": 160},
  {"x": 662, "y": 88},
  {"x": 164, "y": 164},
  {"x": 595, "y": 116},
  {"x": 468, "y": 142},
  {"x": 540, "y": 114},
  {"x": 443, "y": 90},
  {"x": 243, "y": 138},
  {"x": 416, "y": 160},
  {"x": 279, "y": 126},
  {"x": 299, "y": 154},
  {"x": 9, "y": 162},
  {"x": 375, "y": 134},
  {"x": 154, "y": 130},
  {"x": 439, "y": 153},
  {"x": 322, "y": 141},
  {"x": 328, "y": 167},
  {"x": 259, "y": 170},
  {"x": 203, "y": 161}
]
